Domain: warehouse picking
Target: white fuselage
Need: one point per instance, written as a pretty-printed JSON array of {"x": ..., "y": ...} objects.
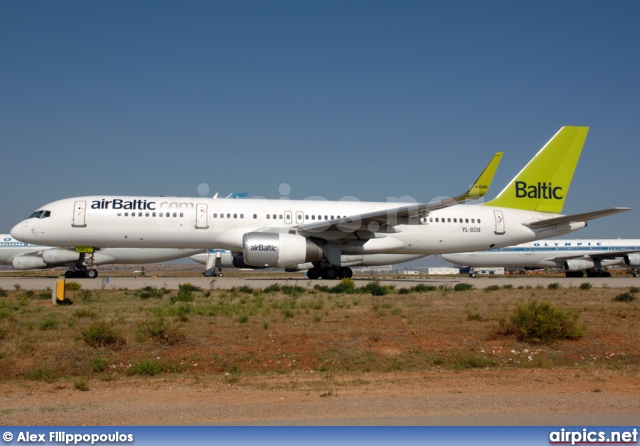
[
  {"x": 196, "y": 223},
  {"x": 548, "y": 253}
]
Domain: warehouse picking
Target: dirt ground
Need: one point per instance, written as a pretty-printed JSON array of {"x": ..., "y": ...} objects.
[
  {"x": 512, "y": 397},
  {"x": 418, "y": 358}
]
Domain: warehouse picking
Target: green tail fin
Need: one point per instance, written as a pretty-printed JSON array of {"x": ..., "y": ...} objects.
[{"x": 544, "y": 182}]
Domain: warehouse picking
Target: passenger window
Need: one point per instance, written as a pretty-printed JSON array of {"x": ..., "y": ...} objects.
[
  {"x": 313, "y": 217},
  {"x": 268, "y": 216},
  {"x": 126, "y": 214},
  {"x": 478, "y": 221},
  {"x": 473, "y": 220},
  {"x": 139, "y": 214},
  {"x": 175, "y": 214},
  {"x": 280, "y": 216},
  {"x": 181, "y": 214},
  {"x": 228, "y": 215},
  {"x": 241, "y": 215},
  {"x": 448, "y": 220},
  {"x": 215, "y": 215},
  {"x": 167, "y": 214},
  {"x": 255, "y": 216},
  {"x": 466, "y": 220},
  {"x": 153, "y": 214},
  {"x": 235, "y": 215},
  {"x": 455, "y": 220}
]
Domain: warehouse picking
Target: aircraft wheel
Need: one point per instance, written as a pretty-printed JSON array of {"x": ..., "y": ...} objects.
[
  {"x": 69, "y": 274},
  {"x": 220, "y": 275},
  {"x": 329, "y": 273},
  {"x": 313, "y": 273},
  {"x": 92, "y": 273},
  {"x": 346, "y": 273}
]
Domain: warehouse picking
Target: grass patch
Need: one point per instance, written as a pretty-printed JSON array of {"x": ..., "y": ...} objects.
[
  {"x": 150, "y": 292},
  {"x": 42, "y": 374},
  {"x": 103, "y": 334},
  {"x": 625, "y": 297},
  {"x": 99, "y": 365},
  {"x": 80, "y": 384},
  {"x": 145, "y": 368},
  {"x": 160, "y": 330},
  {"x": 540, "y": 322},
  {"x": 71, "y": 285},
  {"x": 462, "y": 361}
]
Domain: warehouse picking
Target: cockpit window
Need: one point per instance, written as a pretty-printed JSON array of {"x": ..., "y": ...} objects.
[{"x": 40, "y": 214}]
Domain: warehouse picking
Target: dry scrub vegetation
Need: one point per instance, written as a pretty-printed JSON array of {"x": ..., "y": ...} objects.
[{"x": 291, "y": 330}]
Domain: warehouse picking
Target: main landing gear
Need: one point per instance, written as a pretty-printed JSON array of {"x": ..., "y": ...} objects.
[
  {"x": 329, "y": 273},
  {"x": 83, "y": 269},
  {"x": 90, "y": 273},
  {"x": 590, "y": 273}
]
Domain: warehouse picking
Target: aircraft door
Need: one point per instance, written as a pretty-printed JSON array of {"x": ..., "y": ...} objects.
[
  {"x": 299, "y": 217},
  {"x": 79, "y": 214},
  {"x": 287, "y": 217},
  {"x": 201, "y": 216},
  {"x": 499, "y": 222}
]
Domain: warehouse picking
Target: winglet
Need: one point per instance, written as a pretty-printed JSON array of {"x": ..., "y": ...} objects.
[
  {"x": 481, "y": 186},
  {"x": 544, "y": 182}
]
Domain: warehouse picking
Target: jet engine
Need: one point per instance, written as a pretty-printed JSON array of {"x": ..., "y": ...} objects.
[
  {"x": 578, "y": 265},
  {"x": 278, "y": 250},
  {"x": 632, "y": 259},
  {"x": 28, "y": 262},
  {"x": 51, "y": 256}
]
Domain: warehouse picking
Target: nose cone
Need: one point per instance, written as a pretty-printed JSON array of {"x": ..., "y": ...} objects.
[{"x": 17, "y": 230}]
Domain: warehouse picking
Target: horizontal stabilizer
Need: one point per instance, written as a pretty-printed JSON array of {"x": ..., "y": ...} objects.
[{"x": 575, "y": 218}]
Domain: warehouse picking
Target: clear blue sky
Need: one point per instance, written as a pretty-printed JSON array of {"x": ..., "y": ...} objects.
[{"x": 371, "y": 99}]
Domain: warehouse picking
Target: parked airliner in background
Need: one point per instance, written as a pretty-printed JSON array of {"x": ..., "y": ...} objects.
[
  {"x": 24, "y": 256},
  {"x": 216, "y": 259},
  {"x": 331, "y": 235},
  {"x": 575, "y": 256}
]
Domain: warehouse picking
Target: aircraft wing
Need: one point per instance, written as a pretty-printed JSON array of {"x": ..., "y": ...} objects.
[
  {"x": 602, "y": 255},
  {"x": 385, "y": 220},
  {"x": 576, "y": 217}
]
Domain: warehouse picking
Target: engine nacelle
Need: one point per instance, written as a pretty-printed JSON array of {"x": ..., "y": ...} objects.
[
  {"x": 52, "y": 256},
  {"x": 237, "y": 261},
  {"x": 578, "y": 265},
  {"x": 632, "y": 259},
  {"x": 28, "y": 262},
  {"x": 269, "y": 250}
]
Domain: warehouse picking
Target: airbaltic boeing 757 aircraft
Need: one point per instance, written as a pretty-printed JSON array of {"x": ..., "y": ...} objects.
[
  {"x": 574, "y": 256},
  {"x": 329, "y": 235},
  {"x": 25, "y": 256}
]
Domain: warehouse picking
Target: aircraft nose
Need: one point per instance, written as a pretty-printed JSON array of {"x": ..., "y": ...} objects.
[{"x": 17, "y": 230}]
